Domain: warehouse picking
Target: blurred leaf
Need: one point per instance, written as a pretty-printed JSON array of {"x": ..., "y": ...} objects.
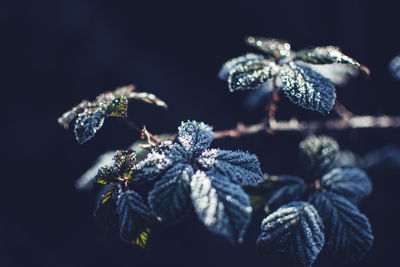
[
  {"x": 88, "y": 123},
  {"x": 287, "y": 188},
  {"x": 317, "y": 153},
  {"x": 337, "y": 73},
  {"x": 232, "y": 63},
  {"x": 105, "y": 213},
  {"x": 327, "y": 55},
  {"x": 394, "y": 67},
  {"x": 71, "y": 114},
  {"x": 221, "y": 205},
  {"x": 296, "y": 229},
  {"x": 352, "y": 183},
  {"x": 251, "y": 74},
  {"x": 307, "y": 88},
  {"x": 275, "y": 47},
  {"x": 383, "y": 159},
  {"x": 348, "y": 232}
]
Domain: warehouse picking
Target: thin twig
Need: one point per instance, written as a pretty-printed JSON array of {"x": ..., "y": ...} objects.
[{"x": 142, "y": 131}]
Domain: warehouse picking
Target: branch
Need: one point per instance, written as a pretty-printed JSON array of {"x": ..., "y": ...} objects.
[{"x": 293, "y": 125}]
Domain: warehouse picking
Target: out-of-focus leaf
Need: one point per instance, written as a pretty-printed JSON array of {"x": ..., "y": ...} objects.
[
  {"x": 394, "y": 67},
  {"x": 383, "y": 159},
  {"x": 352, "y": 183},
  {"x": 296, "y": 229},
  {"x": 275, "y": 47},
  {"x": 317, "y": 154},
  {"x": 240, "y": 167},
  {"x": 251, "y": 74},
  {"x": 170, "y": 197},
  {"x": 307, "y": 88},
  {"x": 232, "y": 63},
  {"x": 105, "y": 213},
  {"x": 260, "y": 96},
  {"x": 288, "y": 188},
  {"x": 348, "y": 232},
  {"x": 71, "y": 114},
  {"x": 327, "y": 55},
  {"x": 148, "y": 98},
  {"x": 134, "y": 217},
  {"x": 221, "y": 205},
  {"x": 88, "y": 123},
  {"x": 118, "y": 107},
  {"x": 337, "y": 73},
  {"x": 347, "y": 159}
]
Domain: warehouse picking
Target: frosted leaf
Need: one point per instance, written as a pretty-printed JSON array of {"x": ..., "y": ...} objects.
[
  {"x": 327, "y": 55},
  {"x": 230, "y": 64},
  {"x": 124, "y": 163},
  {"x": 394, "y": 67},
  {"x": 194, "y": 136},
  {"x": 148, "y": 98},
  {"x": 88, "y": 123},
  {"x": 85, "y": 182},
  {"x": 275, "y": 47},
  {"x": 153, "y": 166},
  {"x": 240, "y": 167},
  {"x": 134, "y": 218},
  {"x": 352, "y": 183},
  {"x": 222, "y": 206},
  {"x": 296, "y": 229},
  {"x": 348, "y": 232},
  {"x": 307, "y": 88},
  {"x": 118, "y": 107},
  {"x": 383, "y": 159},
  {"x": 317, "y": 153},
  {"x": 287, "y": 188},
  {"x": 251, "y": 74},
  {"x": 70, "y": 115},
  {"x": 337, "y": 73},
  {"x": 170, "y": 197}
]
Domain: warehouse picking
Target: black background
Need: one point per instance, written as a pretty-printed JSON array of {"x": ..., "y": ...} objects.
[{"x": 55, "y": 53}]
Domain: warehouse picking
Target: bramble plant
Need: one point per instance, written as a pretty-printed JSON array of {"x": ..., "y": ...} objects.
[{"x": 181, "y": 172}]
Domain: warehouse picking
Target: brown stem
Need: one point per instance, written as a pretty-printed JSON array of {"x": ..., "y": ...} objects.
[{"x": 142, "y": 131}]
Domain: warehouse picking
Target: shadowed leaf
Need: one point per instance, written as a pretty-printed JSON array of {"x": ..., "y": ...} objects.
[
  {"x": 88, "y": 123},
  {"x": 105, "y": 213},
  {"x": 287, "y": 188}
]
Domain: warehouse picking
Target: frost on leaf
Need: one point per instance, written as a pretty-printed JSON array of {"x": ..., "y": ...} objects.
[
  {"x": 287, "y": 188},
  {"x": 232, "y": 63},
  {"x": 275, "y": 47},
  {"x": 88, "y": 123},
  {"x": 394, "y": 67},
  {"x": 307, "y": 88},
  {"x": 317, "y": 154},
  {"x": 134, "y": 218},
  {"x": 90, "y": 115},
  {"x": 124, "y": 163},
  {"x": 348, "y": 232},
  {"x": 221, "y": 205},
  {"x": 173, "y": 164},
  {"x": 170, "y": 197},
  {"x": 327, "y": 55},
  {"x": 296, "y": 229},
  {"x": 352, "y": 183},
  {"x": 251, "y": 74}
]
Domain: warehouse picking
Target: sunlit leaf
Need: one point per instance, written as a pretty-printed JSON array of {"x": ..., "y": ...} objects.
[
  {"x": 251, "y": 74},
  {"x": 222, "y": 206},
  {"x": 88, "y": 123},
  {"x": 307, "y": 88},
  {"x": 348, "y": 232},
  {"x": 118, "y": 107},
  {"x": 327, "y": 55},
  {"x": 295, "y": 229},
  {"x": 317, "y": 153},
  {"x": 275, "y": 47},
  {"x": 352, "y": 183}
]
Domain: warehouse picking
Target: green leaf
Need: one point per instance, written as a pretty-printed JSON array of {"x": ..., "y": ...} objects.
[{"x": 118, "y": 107}]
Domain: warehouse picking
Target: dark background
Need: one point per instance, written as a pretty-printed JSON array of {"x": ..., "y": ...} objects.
[{"x": 55, "y": 53}]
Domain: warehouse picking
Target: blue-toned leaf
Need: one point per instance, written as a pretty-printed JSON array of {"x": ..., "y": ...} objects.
[
  {"x": 221, "y": 205},
  {"x": 260, "y": 96},
  {"x": 352, "y": 183},
  {"x": 134, "y": 218},
  {"x": 71, "y": 114},
  {"x": 317, "y": 153},
  {"x": 252, "y": 74},
  {"x": 327, "y": 55},
  {"x": 195, "y": 137},
  {"x": 307, "y": 88},
  {"x": 105, "y": 213},
  {"x": 275, "y": 47},
  {"x": 347, "y": 159},
  {"x": 240, "y": 167},
  {"x": 394, "y": 67},
  {"x": 170, "y": 197},
  {"x": 88, "y": 123},
  {"x": 296, "y": 229},
  {"x": 348, "y": 232},
  {"x": 337, "y": 73},
  {"x": 230, "y": 64},
  {"x": 287, "y": 188},
  {"x": 383, "y": 159}
]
